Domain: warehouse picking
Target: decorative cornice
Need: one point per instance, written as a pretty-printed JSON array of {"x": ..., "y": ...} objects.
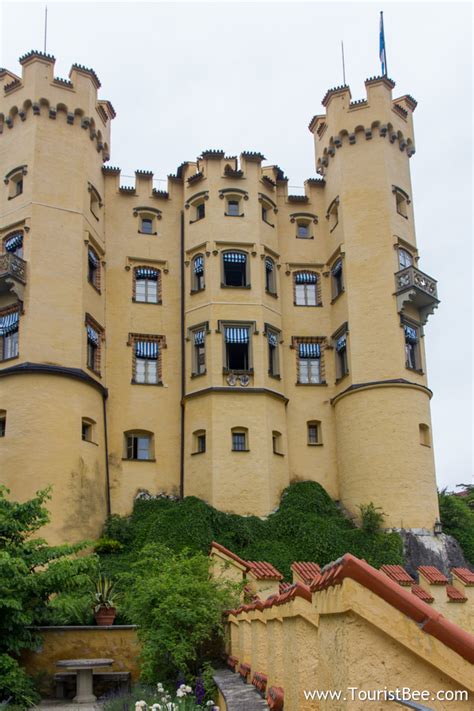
[
  {"x": 253, "y": 156},
  {"x": 332, "y": 92},
  {"x": 36, "y": 54},
  {"x": 43, "y": 369},
  {"x": 232, "y": 391},
  {"x": 396, "y": 382},
  {"x": 90, "y": 72},
  {"x": 389, "y": 83},
  {"x": 212, "y": 154}
]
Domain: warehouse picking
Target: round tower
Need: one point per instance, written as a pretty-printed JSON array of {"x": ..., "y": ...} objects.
[
  {"x": 381, "y": 399},
  {"x": 54, "y": 138}
]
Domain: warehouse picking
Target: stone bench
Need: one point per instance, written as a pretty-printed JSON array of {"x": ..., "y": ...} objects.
[{"x": 103, "y": 680}]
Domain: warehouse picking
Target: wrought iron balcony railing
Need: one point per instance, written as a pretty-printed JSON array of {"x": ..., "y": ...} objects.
[{"x": 414, "y": 287}]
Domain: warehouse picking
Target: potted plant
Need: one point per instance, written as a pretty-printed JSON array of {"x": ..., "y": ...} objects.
[{"x": 105, "y": 598}]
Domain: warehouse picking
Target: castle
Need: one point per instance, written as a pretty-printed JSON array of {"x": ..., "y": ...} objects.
[{"x": 219, "y": 339}]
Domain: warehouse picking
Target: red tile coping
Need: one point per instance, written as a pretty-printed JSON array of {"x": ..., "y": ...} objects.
[
  {"x": 454, "y": 594},
  {"x": 307, "y": 570},
  {"x": 244, "y": 671},
  {"x": 260, "y": 682},
  {"x": 465, "y": 575},
  {"x": 432, "y": 575},
  {"x": 421, "y": 593},
  {"x": 232, "y": 663},
  {"x": 264, "y": 571},
  {"x": 428, "y": 619},
  {"x": 398, "y": 574},
  {"x": 229, "y": 553},
  {"x": 275, "y": 698},
  {"x": 284, "y": 587}
]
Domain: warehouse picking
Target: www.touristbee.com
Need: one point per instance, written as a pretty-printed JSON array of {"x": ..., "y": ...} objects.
[{"x": 354, "y": 693}]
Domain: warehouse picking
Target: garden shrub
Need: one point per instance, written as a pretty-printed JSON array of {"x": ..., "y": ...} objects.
[{"x": 457, "y": 517}]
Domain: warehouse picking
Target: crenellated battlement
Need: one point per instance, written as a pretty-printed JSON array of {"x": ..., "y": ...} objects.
[
  {"x": 39, "y": 93},
  {"x": 377, "y": 115}
]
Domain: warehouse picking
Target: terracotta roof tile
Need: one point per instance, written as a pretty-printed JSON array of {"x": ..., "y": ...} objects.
[
  {"x": 284, "y": 587},
  {"x": 398, "y": 574},
  {"x": 229, "y": 553},
  {"x": 263, "y": 570},
  {"x": 432, "y": 575},
  {"x": 307, "y": 570},
  {"x": 421, "y": 593},
  {"x": 454, "y": 595},
  {"x": 465, "y": 575}
]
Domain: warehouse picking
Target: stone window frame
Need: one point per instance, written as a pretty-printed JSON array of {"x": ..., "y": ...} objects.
[
  {"x": 222, "y": 324},
  {"x": 304, "y": 219},
  {"x": 341, "y": 362},
  {"x": 269, "y": 329},
  {"x": 14, "y": 180},
  {"x": 417, "y": 326},
  {"x": 336, "y": 292},
  {"x": 96, "y": 203},
  {"x": 144, "y": 212},
  {"x": 402, "y": 200},
  {"x": 12, "y": 233},
  {"x": 203, "y": 326},
  {"x": 90, "y": 425},
  {"x": 94, "y": 278},
  {"x": 234, "y": 195},
  {"x": 194, "y": 201},
  {"x": 240, "y": 431},
  {"x": 267, "y": 206},
  {"x": 199, "y": 436},
  {"x": 159, "y": 285},
  {"x": 194, "y": 278},
  {"x": 271, "y": 287},
  {"x": 239, "y": 250},
  {"x": 318, "y": 289},
  {"x": 277, "y": 439},
  {"x": 323, "y": 344},
  {"x": 90, "y": 321},
  {"x": 14, "y": 308},
  {"x": 332, "y": 214},
  {"x": 151, "y": 338}
]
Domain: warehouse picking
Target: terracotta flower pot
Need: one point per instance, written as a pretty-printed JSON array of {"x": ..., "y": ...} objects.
[{"x": 105, "y": 616}]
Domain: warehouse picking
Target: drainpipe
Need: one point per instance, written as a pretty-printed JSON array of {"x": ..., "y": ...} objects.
[
  {"x": 183, "y": 366},
  {"x": 106, "y": 440}
]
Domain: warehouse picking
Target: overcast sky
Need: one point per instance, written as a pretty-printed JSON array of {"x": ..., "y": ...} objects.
[{"x": 184, "y": 77}]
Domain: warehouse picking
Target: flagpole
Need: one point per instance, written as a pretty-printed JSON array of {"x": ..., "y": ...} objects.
[
  {"x": 343, "y": 64},
  {"x": 45, "y": 26},
  {"x": 382, "y": 48}
]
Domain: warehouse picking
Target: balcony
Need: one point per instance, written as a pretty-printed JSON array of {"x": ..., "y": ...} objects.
[
  {"x": 418, "y": 289},
  {"x": 12, "y": 274}
]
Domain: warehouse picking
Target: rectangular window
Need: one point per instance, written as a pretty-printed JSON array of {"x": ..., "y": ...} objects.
[
  {"x": 273, "y": 360},
  {"x": 147, "y": 285},
  {"x": 201, "y": 443},
  {"x": 306, "y": 289},
  {"x": 342, "y": 367},
  {"x": 336, "y": 279},
  {"x": 233, "y": 208},
  {"x": 412, "y": 348},
  {"x": 3, "y": 423},
  {"x": 146, "y": 362},
  {"x": 197, "y": 276},
  {"x": 93, "y": 348},
  {"x": 199, "y": 351},
  {"x": 200, "y": 211},
  {"x": 235, "y": 269},
  {"x": 237, "y": 348},
  {"x": 86, "y": 431},
  {"x": 309, "y": 363},
  {"x": 9, "y": 324},
  {"x": 239, "y": 443},
  {"x": 146, "y": 225},
  {"x": 138, "y": 447},
  {"x": 314, "y": 433},
  {"x": 93, "y": 268}
]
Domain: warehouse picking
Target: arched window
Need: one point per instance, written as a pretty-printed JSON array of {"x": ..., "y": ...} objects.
[
  {"x": 13, "y": 244},
  {"x": 270, "y": 276},
  {"x": 197, "y": 273},
  {"x": 405, "y": 259},
  {"x": 235, "y": 269},
  {"x": 147, "y": 282},
  {"x": 306, "y": 289}
]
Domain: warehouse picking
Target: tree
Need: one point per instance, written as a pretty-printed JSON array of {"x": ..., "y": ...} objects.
[
  {"x": 179, "y": 607},
  {"x": 30, "y": 573}
]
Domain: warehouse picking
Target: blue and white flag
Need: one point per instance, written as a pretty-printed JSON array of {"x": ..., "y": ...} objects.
[{"x": 382, "y": 54}]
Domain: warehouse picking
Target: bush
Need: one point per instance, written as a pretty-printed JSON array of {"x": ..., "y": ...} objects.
[
  {"x": 108, "y": 546},
  {"x": 457, "y": 517},
  {"x": 307, "y": 526},
  {"x": 372, "y": 518},
  {"x": 15, "y": 684}
]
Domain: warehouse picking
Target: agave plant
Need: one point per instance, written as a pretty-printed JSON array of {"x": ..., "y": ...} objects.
[{"x": 105, "y": 594}]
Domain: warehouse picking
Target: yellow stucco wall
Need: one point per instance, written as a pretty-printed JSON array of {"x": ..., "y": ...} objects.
[
  {"x": 63, "y": 137},
  {"x": 118, "y": 642}
]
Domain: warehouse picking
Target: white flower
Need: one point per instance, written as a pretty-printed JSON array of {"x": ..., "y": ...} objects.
[
  {"x": 210, "y": 703},
  {"x": 140, "y": 705},
  {"x": 160, "y": 687},
  {"x": 180, "y": 693},
  {"x": 188, "y": 689}
]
